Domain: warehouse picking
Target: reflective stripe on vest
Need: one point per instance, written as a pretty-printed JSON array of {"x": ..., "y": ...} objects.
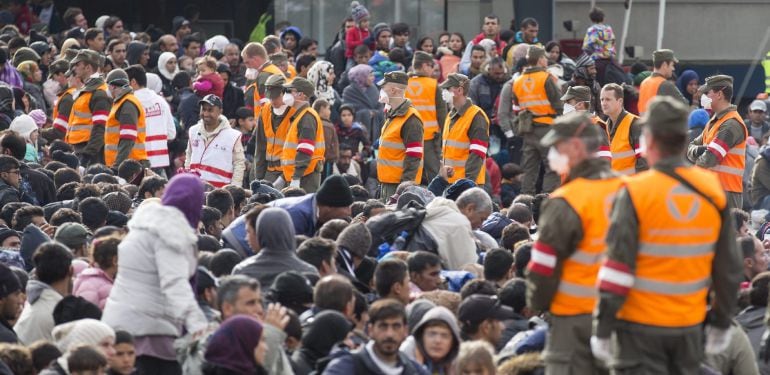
[
  {"x": 730, "y": 169},
  {"x": 112, "y": 132},
  {"x": 81, "y": 119},
  {"x": 392, "y": 151},
  {"x": 648, "y": 90},
  {"x": 214, "y": 161},
  {"x": 422, "y": 92},
  {"x": 457, "y": 145},
  {"x": 292, "y": 145},
  {"x": 591, "y": 200},
  {"x": 275, "y": 138},
  {"x": 678, "y": 230},
  {"x": 623, "y": 153},
  {"x": 530, "y": 93},
  {"x": 60, "y": 119},
  {"x": 156, "y": 114}
]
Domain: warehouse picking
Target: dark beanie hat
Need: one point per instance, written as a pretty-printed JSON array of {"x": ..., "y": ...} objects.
[
  {"x": 291, "y": 287},
  {"x": 204, "y": 280},
  {"x": 6, "y": 233},
  {"x": 185, "y": 192},
  {"x": 9, "y": 283},
  {"x": 67, "y": 158},
  {"x": 334, "y": 192},
  {"x": 117, "y": 218},
  {"x": 461, "y": 185},
  {"x": 356, "y": 238}
]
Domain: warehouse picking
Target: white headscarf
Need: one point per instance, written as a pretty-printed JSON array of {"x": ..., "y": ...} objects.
[
  {"x": 154, "y": 83},
  {"x": 217, "y": 42},
  {"x": 162, "y": 60},
  {"x": 318, "y": 75}
]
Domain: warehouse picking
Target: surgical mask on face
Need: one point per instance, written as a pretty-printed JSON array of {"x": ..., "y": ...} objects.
[
  {"x": 705, "y": 102},
  {"x": 569, "y": 108},
  {"x": 384, "y": 98},
  {"x": 447, "y": 96},
  {"x": 643, "y": 145},
  {"x": 288, "y": 99},
  {"x": 251, "y": 73},
  {"x": 280, "y": 110},
  {"x": 557, "y": 161}
]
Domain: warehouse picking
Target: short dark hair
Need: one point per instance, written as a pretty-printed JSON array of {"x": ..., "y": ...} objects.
[
  {"x": 478, "y": 47},
  {"x": 513, "y": 233},
  {"x": 333, "y": 292},
  {"x": 386, "y": 308},
  {"x": 92, "y": 33},
  {"x": 497, "y": 263},
  {"x": 70, "y": 14},
  {"x": 52, "y": 261},
  {"x": 746, "y": 244},
  {"x": 596, "y": 15},
  {"x": 137, "y": 72},
  {"x": 86, "y": 358},
  {"x": 253, "y": 214},
  {"x": 7, "y": 211},
  {"x": 86, "y": 191},
  {"x": 360, "y": 194},
  {"x": 320, "y": 103},
  {"x": 388, "y": 273},
  {"x": 510, "y": 170},
  {"x": 129, "y": 168},
  {"x": 759, "y": 289},
  {"x": 209, "y": 216},
  {"x": 112, "y": 43},
  {"x": 399, "y": 28},
  {"x": 15, "y": 143},
  {"x": 316, "y": 250},
  {"x": 361, "y": 49},
  {"x": 123, "y": 337},
  {"x": 104, "y": 250},
  {"x": 521, "y": 256},
  {"x": 65, "y": 175},
  {"x": 520, "y": 213},
  {"x": 306, "y": 43},
  {"x": 527, "y": 22},
  {"x": 740, "y": 217},
  {"x": 23, "y": 217},
  {"x": 514, "y": 294},
  {"x": 151, "y": 184},
  {"x": 238, "y": 194},
  {"x": 94, "y": 212},
  {"x": 477, "y": 286},
  {"x": 43, "y": 353},
  {"x": 615, "y": 88},
  {"x": 420, "y": 260},
  {"x": 72, "y": 308},
  {"x": 727, "y": 91},
  {"x": 332, "y": 229},
  {"x": 223, "y": 262},
  {"x": 65, "y": 215},
  {"x": 492, "y": 17},
  {"x": 192, "y": 38},
  {"x": 221, "y": 200},
  {"x": 7, "y": 163},
  {"x": 372, "y": 204}
]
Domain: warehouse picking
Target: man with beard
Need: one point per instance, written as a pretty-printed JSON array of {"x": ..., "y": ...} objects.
[
  {"x": 585, "y": 75},
  {"x": 387, "y": 329},
  {"x": 11, "y": 298},
  {"x": 344, "y": 164}
]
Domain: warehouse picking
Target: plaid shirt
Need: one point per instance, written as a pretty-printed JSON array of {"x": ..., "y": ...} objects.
[{"x": 11, "y": 76}]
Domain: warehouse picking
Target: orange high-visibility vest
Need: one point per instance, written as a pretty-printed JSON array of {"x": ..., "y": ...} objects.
[
  {"x": 422, "y": 92},
  {"x": 592, "y": 201},
  {"x": 81, "y": 119},
  {"x": 733, "y": 160},
  {"x": 458, "y": 146},
  {"x": 60, "y": 119},
  {"x": 623, "y": 153},
  {"x": 255, "y": 98},
  {"x": 112, "y": 132},
  {"x": 530, "y": 93},
  {"x": 648, "y": 90},
  {"x": 269, "y": 68},
  {"x": 314, "y": 147},
  {"x": 678, "y": 230},
  {"x": 393, "y": 151},
  {"x": 275, "y": 138}
]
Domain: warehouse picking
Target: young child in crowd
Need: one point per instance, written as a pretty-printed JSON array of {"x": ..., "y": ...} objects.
[
  {"x": 352, "y": 133},
  {"x": 27, "y": 128},
  {"x": 330, "y": 135},
  {"x": 124, "y": 360},
  {"x": 357, "y": 34},
  {"x": 209, "y": 81},
  {"x": 95, "y": 282},
  {"x": 86, "y": 360}
]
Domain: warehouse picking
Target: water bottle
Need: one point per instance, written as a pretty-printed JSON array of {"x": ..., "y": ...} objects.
[
  {"x": 400, "y": 242},
  {"x": 382, "y": 250}
]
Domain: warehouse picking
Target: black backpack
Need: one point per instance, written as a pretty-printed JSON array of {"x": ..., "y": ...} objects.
[{"x": 385, "y": 228}]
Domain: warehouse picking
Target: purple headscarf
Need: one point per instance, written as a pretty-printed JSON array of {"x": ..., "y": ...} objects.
[
  {"x": 232, "y": 345},
  {"x": 359, "y": 74},
  {"x": 185, "y": 192}
]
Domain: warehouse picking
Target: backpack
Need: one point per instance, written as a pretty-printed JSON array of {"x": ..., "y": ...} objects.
[{"x": 386, "y": 227}]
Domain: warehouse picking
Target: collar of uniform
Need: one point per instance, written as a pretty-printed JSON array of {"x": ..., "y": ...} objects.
[
  {"x": 669, "y": 163},
  {"x": 265, "y": 65},
  {"x": 299, "y": 109},
  {"x": 592, "y": 169},
  {"x": 92, "y": 84},
  {"x": 533, "y": 69},
  {"x": 621, "y": 116},
  {"x": 401, "y": 109},
  {"x": 457, "y": 112},
  {"x": 725, "y": 111},
  {"x": 123, "y": 92},
  {"x": 656, "y": 74}
]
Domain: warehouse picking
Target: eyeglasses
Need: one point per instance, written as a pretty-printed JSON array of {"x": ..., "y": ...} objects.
[{"x": 13, "y": 171}]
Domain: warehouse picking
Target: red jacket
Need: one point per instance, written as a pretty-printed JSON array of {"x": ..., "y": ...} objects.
[
  {"x": 500, "y": 43},
  {"x": 354, "y": 38},
  {"x": 495, "y": 176}
]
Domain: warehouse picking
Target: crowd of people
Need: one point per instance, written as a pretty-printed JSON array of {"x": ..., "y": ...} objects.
[{"x": 179, "y": 203}]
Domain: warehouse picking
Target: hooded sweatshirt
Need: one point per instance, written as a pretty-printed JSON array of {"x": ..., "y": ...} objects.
[
  {"x": 328, "y": 328},
  {"x": 413, "y": 346},
  {"x": 134, "y": 52},
  {"x": 452, "y": 232},
  {"x": 275, "y": 233}
]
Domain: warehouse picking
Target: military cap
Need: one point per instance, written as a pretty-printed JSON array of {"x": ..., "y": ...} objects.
[
  {"x": 58, "y": 66},
  {"x": 302, "y": 85},
  {"x": 718, "y": 81},
  {"x": 575, "y": 124},
  {"x": 279, "y": 58},
  {"x": 275, "y": 80},
  {"x": 535, "y": 51},
  {"x": 421, "y": 57},
  {"x": 72, "y": 234},
  {"x": 666, "y": 114},
  {"x": 117, "y": 77},
  {"x": 24, "y": 54},
  {"x": 89, "y": 57},
  {"x": 396, "y": 77},
  {"x": 662, "y": 55},
  {"x": 579, "y": 93},
  {"x": 455, "y": 80}
]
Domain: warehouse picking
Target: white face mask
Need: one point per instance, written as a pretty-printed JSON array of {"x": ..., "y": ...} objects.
[
  {"x": 384, "y": 98},
  {"x": 643, "y": 145},
  {"x": 251, "y": 73},
  {"x": 288, "y": 99},
  {"x": 557, "y": 161},
  {"x": 705, "y": 102},
  {"x": 569, "y": 108},
  {"x": 447, "y": 96},
  {"x": 280, "y": 110}
]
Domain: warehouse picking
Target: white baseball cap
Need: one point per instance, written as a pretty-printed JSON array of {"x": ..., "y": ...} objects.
[{"x": 758, "y": 105}]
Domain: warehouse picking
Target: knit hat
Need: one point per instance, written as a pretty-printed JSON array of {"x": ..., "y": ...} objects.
[
  {"x": 72, "y": 234},
  {"x": 9, "y": 283},
  {"x": 79, "y": 332},
  {"x": 291, "y": 288},
  {"x": 6, "y": 233},
  {"x": 698, "y": 118},
  {"x": 641, "y": 77},
  {"x": 25, "y": 54},
  {"x": 13, "y": 258},
  {"x": 358, "y": 11},
  {"x": 204, "y": 280},
  {"x": 266, "y": 191},
  {"x": 118, "y": 201},
  {"x": 334, "y": 192},
  {"x": 380, "y": 27},
  {"x": 117, "y": 77},
  {"x": 461, "y": 185},
  {"x": 356, "y": 238},
  {"x": 40, "y": 47},
  {"x": 24, "y": 125},
  {"x": 39, "y": 116},
  {"x": 178, "y": 22},
  {"x": 185, "y": 192},
  {"x": 117, "y": 218}
]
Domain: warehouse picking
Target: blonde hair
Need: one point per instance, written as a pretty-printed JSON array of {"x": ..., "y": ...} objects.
[
  {"x": 68, "y": 44},
  {"x": 475, "y": 352},
  {"x": 207, "y": 61},
  {"x": 27, "y": 68}
]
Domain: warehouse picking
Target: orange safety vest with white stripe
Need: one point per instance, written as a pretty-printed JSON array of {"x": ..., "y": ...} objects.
[
  {"x": 530, "y": 93},
  {"x": 458, "y": 146},
  {"x": 81, "y": 119},
  {"x": 269, "y": 68},
  {"x": 678, "y": 230},
  {"x": 732, "y": 160},
  {"x": 624, "y": 155},
  {"x": 213, "y": 161},
  {"x": 422, "y": 92},
  {"x": 592, "y": 201},
  {"x": 313, "y": 147},
  {"x": 275, "y": 138},
  {"x": 392, "y": 151},
  {"x": 648, "y": 90},
  {"x": 60, "y": 119},
  {"x": 114, "y": 131},
  {"x": 604, "y": 150}
]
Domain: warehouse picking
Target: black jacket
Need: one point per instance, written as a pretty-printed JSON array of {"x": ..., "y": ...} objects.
[
  {"x": 231, "y": 101},
  {"x": 36, "y": 185},
  {"x": 7, "y": 333}
]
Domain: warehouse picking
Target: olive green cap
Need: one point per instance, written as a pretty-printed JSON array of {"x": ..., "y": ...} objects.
[
  {"x": 421, "y": 57},
  {"x": 302, "y": 85},
  {"x": 455, "y": 80},
  {"x": 720, "y": 80},
  {"x": 579, "y": 93},
  {"x": 666, "y": 114},
  {"x": 663, "y": 55},
  {"x": 575, "y": 124},
  {"x": 24, "y": 54},
  {"x": 396, "y": 77},
  {"x": 58, "y": 66},
  {"x": 275, "y": 80},
  {"x": 89, "y": 57},
  {"x": 279, "y": 58}
]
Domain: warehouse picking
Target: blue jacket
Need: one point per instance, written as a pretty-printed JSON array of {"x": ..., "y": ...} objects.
[
  {"x": 302, "y": 212},
  {"x": 345, "y": 364}
]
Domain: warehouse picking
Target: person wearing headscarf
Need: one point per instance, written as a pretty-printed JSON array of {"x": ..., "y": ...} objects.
[
  {"x": 138, "y": 53},
  {"x": 25, "y": 126},
  {"x": 327, "y": 329},
  {"x": 237, "y": 347},
  {"x": 322, "y": 76},
  {"x": 156, "y": 260},
  {"x": 167, "y": 68},
  {"x": 363, "y": 96},
  {"x": 278, "y": 249},
  {"x": 432, "y": 350},
  {"x": 688, "y": 83}
]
